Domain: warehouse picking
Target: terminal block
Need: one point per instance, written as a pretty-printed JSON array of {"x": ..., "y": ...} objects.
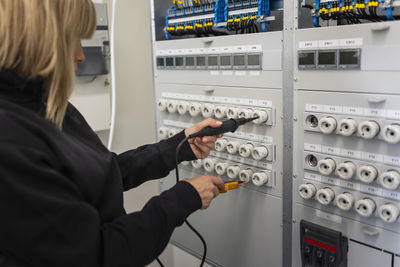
[{"x": 321, "y": 246}]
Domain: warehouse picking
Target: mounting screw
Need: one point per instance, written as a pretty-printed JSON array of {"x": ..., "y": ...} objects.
[
  {"x": 293, "y": 220},
  {"x": 295, "y": 118},
  {"x": 294, "y": 176},
  {"x": 295, "y": 79}
]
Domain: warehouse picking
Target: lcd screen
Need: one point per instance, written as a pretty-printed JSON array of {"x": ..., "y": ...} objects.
[
  {"x": 225, "y": 60},
  {"x": 238, "y": 60},
  {"x": 306, "y": 58},
  {"x": 212, "y": 61},
  {"x": 179, "y": 61},
  {"x": 201, "y": 61},
  {"x": 160, "y": 62},
  {"x": 169, "y": 61},
  {"x": 253, "y": 60},
  {"x": 349, "y": 57},
  {"x": 189, "y": 61},
  {"x": 327, "y": 58}
]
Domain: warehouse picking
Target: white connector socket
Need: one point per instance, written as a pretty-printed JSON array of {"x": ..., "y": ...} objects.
[
  {"x": 197, "y": 163},
  {"x": 220, "y": 112},
  {"x": 345, "y": 201},
  {"x": 390, "y": 180},
  {"x": 209, "y": 164},
  {"x": 325, "y": 196},
  {"x": 389, "y": 212},
  {"x": 183, "y": 107},
  {"x": 232, "y": 147},
  {"x": 194, "y": 109},
  {"x": 233, "y": 113},
  {"x": 221, "y": 167},
  {"x": 162, "y": 105},
  {"x": 172, "y": 106},
  {"x": 368, "y": 129},
  {"x": 163, "y": 132},
  {"x": 391, "y": 133},
  {"x": 246, "y": 113},
  {"x": 207, "y": 110},
  {"x": 347, "y": 127},
  {"x": 307, "y": 191},
  {"x": 260, "y": 178},
  {"x": 172, "y": 132},
  {"x": 245, "y": 175},
  {"x": 346, "y": 170},
  {"x": 262, "y": 116},
  {"x": 327, "y": 125},
  {"x": 367, "y": 174},
  {"x": 245, "y": 150},
  {"x": 185, "y": 163},
  {"x": 220, "y": 144},
  {"x": 326, "y": 166},
  {"x": 365, "y": 207},
  {"x": 259, "y": 153},
  {"x": 233, "y": 171}
]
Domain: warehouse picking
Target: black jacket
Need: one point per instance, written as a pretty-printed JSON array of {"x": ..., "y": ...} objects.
[{"x": 61, "y": 192}]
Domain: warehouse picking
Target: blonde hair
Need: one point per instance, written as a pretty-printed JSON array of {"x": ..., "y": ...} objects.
[{"x": 39, "y": 39}]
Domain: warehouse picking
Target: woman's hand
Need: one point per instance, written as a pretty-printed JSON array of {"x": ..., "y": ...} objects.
[
  {"x": 208, "y": 188},
  {"x": 201, "y": 146}
]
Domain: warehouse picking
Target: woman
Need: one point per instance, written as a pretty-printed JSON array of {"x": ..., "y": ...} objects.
[{"x": 60, "y": 188}]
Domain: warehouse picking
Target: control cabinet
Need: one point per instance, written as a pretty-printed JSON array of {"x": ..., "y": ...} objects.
[
  {"x": 193, "y": 82},
  {"x": 321, "y": 166},
  {"x": 346, "y": 142}
]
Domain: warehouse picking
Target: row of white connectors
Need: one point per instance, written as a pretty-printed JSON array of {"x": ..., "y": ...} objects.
[
  {"x": 245, "y": 150},
  {"x": 233, "y": 171},
  {"x": 167, "y": 132},
  {"x": 208, "y": 110},
  {"x": 367, "y": 129},
  {"x": 389, "y": 179},
  {"x": 345, "y": 201}
]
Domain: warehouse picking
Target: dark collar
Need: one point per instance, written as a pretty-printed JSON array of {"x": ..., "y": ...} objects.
[{"x": 19, "y": 90}]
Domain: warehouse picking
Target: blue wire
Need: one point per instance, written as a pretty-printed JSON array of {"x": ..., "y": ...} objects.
[{"x": 389, "y": 13}]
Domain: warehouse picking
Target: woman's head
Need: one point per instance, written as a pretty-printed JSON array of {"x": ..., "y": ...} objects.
[{"x": 41, "y": 38}]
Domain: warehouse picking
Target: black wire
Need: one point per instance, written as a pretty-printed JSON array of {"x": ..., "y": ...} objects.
[
  {"x": 178, "y": 148},
  {"x": 159, "y": 262}
]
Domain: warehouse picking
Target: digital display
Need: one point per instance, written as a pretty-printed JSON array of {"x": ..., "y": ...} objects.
[
  {"x": 189, "y": 61},
  {"x": 238, "y": 60},
  {"x": 253, "y": 60},
  {"x": 179, "y": 61},
  {"x": 160, "y": 62},
  {"x": 306, "y": 58},
  {"x": 349, "y": 57},
  {"x": 225, "y": 60},
  {"x": 201, "y": 61},
  {"x": 169, "y": 61},
  {"x": 327, "y": 58},
  {"x": 212, "y": 61}
]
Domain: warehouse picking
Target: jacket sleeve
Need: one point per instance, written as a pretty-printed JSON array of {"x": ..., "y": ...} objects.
[
  {"x": 152, "y": 161},
  {"x": 45, "y": 220}
]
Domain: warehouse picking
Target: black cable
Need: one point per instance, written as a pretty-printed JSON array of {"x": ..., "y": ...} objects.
[
  {"x": 159, "y": 262},
  {"x": 178, "y": 148}
]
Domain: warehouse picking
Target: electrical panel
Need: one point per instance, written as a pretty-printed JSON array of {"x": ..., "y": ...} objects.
[
  {"x": 346, "y": 143},
  {"x": 188, "y": 94},
  {"x": 342, "y": 190}
]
